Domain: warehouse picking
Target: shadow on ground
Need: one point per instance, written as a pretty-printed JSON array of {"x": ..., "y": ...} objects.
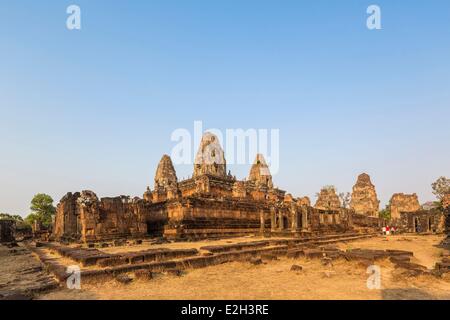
[{"x": 406, "y": 294}]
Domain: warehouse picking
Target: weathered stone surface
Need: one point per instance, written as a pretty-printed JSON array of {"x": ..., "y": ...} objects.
[
  {"x": 165, "y": 173},
  {"x": 239, "y": 190},
  {"x": 313, "y": 253},
  {"x": 401, "y": 202},
  {"x": 166, "y": 181},
  {"x": 83, "y": 216},
  {"x": 143, "y": 274},
  {"x": 260, "y": 173},
  {"x": 296, "y": 268},
  {"x": 327, "y": 261},
  {"x": 446, "y": 201},
  {"x": 235, "y": 247},
  {"x": 210, "y": 158},
  {"x": 7, "y": 230},
  {"x": 304, "y": 201},
  {"x": 148, "y": 195},
  {"x": 124, "y": 279},
  {"x": 422, "y": 221},
  {"x": 256, "y": 261},
  {"x": 174, "y": 272},
  {"x": 364, "y": 197},
  {"x": 328, "y": 199},
  {"x": 211, "y": 204},
  {"x": 269, "y": 257}
]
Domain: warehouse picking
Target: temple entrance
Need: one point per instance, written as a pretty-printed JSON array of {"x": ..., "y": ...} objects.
[
  {"x": 430, "y": 224},
  {"x": 155, "y": 228},
  {"x": 416, "y": 225},
  {"x": 300, "y": 221},
  {"x": 285, "y": 223}
]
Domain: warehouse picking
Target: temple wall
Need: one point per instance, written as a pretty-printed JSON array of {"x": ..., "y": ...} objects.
[
  {"x": 83, "y": 216},
  {"x": 423, "y": 221},
  {"x": 67, "y": 222},
  {"x": 401, "y": 203},
  {"x": 363, "y": 220},
  {"x": 6, "y": 230}
]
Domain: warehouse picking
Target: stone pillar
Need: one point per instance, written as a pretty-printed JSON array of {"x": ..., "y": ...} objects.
[
  {"x": 280, "y": 221},
  {"x": 262, "y": 221},
  {"x": 333, "y": 219},
  {"x": 305, "y": 225},
  {"x": 294, "y": 217},
  {"x": 273, "y": 219}
]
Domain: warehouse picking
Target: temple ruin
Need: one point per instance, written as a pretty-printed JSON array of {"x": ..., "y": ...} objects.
[
  {"x": 403, "y": 203},
  {"x": 446, "y": 201},
  {"x": 212, "y": 203},
  {"x": 328, "y": 199},
  {"x": 7, "y": 230},
  {"x": 408, "y": 216},
  {"x": 364, "y": 197}
]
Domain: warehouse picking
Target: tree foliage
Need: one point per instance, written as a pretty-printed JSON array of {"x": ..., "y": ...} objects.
[
  {"x": 386, "y": 212},
  {"x": 42, "y": 210},
  {"x": 441, "y": 187},
  {"x": 345, "y": 199},
  {"x": 7, "y": 216},
  {"x": 20, "y": 222}
]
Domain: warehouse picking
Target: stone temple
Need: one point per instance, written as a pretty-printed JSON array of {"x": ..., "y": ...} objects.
[
  {"x": 364, "y": 197},
  {"x": 328, "y": 199},
  {"x": 211, "y": 204},
  {"x": 403, "y": 203}
]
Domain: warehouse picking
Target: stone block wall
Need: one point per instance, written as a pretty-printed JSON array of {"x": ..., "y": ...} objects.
[
  {"x": 7, "y": 230},
  {"x": 364, "y": 197},
  {"x": 423, "y": 221},
  {"x": 401, "y": 202},
  {"x": 82, "y": 216}
]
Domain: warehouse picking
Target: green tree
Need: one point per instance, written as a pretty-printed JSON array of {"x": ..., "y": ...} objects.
[
  {"x": 441, "y": 187},
  {"x": 386, "y": 212},
  {"x": 21, "y": 224},
  {"x": 30, "y": 219},
  {"x": 11, "y": 217},
  {"x": 42, "y": 210}
]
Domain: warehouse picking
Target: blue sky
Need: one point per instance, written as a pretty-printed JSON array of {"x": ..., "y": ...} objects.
[{"x": 95, "y": 109}]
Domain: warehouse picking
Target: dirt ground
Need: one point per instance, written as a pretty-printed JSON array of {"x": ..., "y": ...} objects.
[
  {"x": 20, "y": 272},
  {"x": 274, "y": 280}
]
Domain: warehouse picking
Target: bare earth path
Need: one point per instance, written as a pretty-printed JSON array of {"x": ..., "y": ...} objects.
[{"x": 274, "y": 280}]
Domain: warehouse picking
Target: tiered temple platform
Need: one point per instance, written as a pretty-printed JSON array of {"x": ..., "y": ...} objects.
[
  {"x": 114, "y": 258},
  {"x": 210, "y": 204}
]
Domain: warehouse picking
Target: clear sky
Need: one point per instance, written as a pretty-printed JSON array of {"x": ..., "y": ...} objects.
[{"x": 95, "y": 108}]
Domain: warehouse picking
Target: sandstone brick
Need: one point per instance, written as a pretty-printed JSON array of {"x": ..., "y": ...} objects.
[{"x": 364, "y": 197}]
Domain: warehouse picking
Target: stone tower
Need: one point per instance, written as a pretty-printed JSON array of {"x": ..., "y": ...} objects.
[
  {"x": 364, "y": 197},
  {"x": 210, "y": 158},
  {"x": 260, "y": 173},
  {"x": 401, "y": 202},
  {"x": 165, "y": 174},
  {"x": 328, "y": 199}
]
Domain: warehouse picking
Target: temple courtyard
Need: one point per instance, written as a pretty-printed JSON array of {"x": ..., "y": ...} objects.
[{"x": 251, "y": 268}]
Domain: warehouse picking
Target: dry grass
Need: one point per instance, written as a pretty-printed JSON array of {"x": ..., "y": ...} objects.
[{"x": 274, "y": 280}]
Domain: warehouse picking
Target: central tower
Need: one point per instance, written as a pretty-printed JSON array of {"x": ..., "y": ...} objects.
[{"x": 210, "y": 158}]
